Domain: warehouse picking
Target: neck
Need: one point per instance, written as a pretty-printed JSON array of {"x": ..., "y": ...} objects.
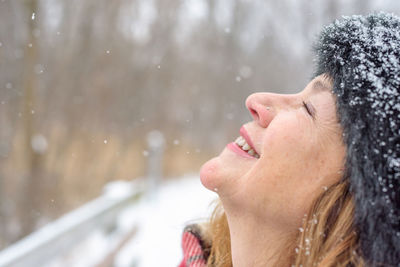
[{"x": 255, "y": 243}]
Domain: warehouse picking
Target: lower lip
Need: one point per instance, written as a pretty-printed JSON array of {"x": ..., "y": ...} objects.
[{"x": 237, "y": 150}]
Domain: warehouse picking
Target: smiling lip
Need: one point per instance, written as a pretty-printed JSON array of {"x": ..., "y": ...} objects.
[
  {"x": 235, "y": 148},
  {"x": 246, "y": 137}
]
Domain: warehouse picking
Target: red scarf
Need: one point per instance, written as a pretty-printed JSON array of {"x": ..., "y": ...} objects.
[{"x": 192, "y": 246}]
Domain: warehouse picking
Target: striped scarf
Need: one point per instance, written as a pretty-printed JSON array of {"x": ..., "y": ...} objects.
[{"x": 194, "y": 251}]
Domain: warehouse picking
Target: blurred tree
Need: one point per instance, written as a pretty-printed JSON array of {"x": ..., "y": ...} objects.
[{"x": 30, "y": 194}]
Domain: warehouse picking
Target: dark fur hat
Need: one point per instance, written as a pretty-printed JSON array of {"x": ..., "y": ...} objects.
[{"x": 362, "y": 56}]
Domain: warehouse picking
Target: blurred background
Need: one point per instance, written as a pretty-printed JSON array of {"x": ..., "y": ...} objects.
[{"x": 82, "y": 83}]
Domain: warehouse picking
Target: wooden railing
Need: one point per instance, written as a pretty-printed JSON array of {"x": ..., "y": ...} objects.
[{"x": 62, "y": 235}]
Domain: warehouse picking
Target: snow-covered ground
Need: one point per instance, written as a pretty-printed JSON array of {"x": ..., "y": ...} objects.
[{"x": 159, "y": 219}]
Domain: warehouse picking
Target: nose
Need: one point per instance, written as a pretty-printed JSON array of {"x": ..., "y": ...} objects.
[{"x": 264, "y": 106}]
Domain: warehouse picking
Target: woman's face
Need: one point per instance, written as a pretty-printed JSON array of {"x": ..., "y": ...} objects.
[{"x": 299, "y": 152}]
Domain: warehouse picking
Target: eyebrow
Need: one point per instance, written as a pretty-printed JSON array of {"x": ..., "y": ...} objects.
[{"x": 319, "y": 86}]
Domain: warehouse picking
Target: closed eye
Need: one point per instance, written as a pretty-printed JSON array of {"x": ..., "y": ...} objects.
[{"x": 309, "y": 111}]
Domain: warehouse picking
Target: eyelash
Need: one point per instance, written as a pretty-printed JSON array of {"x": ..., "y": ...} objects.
[{"x": 308, "y": 109}]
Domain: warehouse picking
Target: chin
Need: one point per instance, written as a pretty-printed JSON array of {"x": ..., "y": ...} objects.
[
  {"x": 221, "y": 174},
  {"x": 210, "y": 174}
]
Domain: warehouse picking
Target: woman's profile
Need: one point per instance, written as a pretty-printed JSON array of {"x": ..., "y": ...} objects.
[{"x": 313, "y": 179}]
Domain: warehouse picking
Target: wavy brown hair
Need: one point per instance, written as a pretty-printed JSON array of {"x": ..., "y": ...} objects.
[{"x": 327, "y": 237}]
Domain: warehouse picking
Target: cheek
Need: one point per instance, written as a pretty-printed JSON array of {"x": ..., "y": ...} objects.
[
  {"x": 291, "y": 147},
  {"x": 288, "y": 171}
]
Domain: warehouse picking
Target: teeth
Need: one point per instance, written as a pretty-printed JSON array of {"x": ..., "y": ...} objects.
[
  {"x": 237, "y": 141},
  {"x": 240, "y": 141}
]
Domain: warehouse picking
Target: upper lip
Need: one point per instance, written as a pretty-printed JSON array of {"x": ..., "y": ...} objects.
[{"x": 246, "y": 137}]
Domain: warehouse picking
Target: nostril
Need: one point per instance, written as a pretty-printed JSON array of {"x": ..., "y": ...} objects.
[{"x": 254, "y": 114}]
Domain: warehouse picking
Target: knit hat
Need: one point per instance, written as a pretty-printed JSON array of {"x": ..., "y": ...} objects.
[{"x": 362, "y": 56}]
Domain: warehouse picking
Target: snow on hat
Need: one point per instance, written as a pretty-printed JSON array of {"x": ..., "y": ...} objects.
[{"x": 362, "y": 56}]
